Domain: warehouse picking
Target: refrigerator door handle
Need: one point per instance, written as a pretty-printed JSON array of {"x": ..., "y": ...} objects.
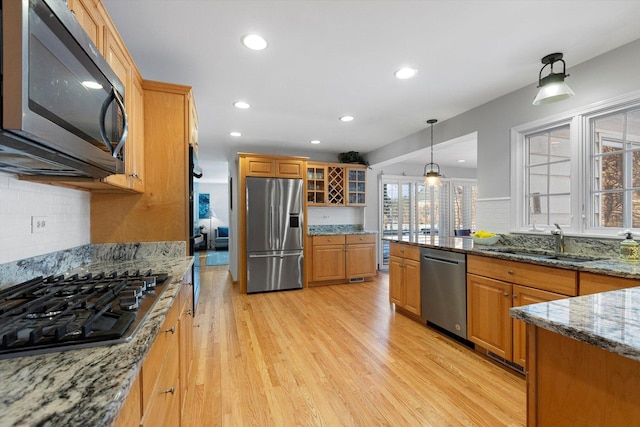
[{"x": 273, "y": 255}]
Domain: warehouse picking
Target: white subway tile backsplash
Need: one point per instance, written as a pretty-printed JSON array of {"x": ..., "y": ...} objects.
[{"x": 66, "y": 211}]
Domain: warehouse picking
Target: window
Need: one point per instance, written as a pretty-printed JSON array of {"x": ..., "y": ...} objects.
[
  {"x": 581, "y": 171},
  {"x": 548, "y": 176},
  {"x": 413, "y": 211},
  {"x": 615, "y": 170}
]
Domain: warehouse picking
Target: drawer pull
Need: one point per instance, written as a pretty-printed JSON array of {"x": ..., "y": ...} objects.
[
  {"x": 172, "y": 390},
  {"x": 171, "y": 329},
  {"x": 510, "y": 271},
  {"x": 189, "y": 312},
  {"x": 506, "y": 294},
  {"x": 328, "y": 240},
  {"x": 402, "y": 250}
]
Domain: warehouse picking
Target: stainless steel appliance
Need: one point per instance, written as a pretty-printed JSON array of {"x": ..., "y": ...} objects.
[
  {"x": 443, "y": 289},
  {"x": 68, "y": 312},
  {"x": 274, "y": 234},
  {"x": 62, "y": 105}
]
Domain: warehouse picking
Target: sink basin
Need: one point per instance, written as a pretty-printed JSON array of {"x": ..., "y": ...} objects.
[
  {"x": 539, "y": 254},
  {"x": 575, "y": 258}
]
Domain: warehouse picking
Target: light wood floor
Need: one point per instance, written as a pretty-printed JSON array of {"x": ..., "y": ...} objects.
[{"x": 335, "y": 356}]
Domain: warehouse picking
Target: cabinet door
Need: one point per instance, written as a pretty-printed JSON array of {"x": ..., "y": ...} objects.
[
  {"x": 328, "y": 263},
  {"x": 89, "y": 19},
  {"x": 356, "y": 183},
  {"x": 489, "y": 323},
  {"x": 289, "y": 169},
  {"x": 257, "y": 166},
  {"x": 412, "y": 286},
  {"x": 361, "y": 260},
  {"x": 185, "y": 330},
  {"x": 135, "y": 143},
  {"x": 316, "y": 184},
  {"x": 131, "y": 413},
  {"x": 117, "y": 59},
  {"x": 396, "y": 281},
  {"x": 523, "y": 295}
]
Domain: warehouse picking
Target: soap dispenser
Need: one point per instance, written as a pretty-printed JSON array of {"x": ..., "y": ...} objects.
[{"x": 629, "y": 247}]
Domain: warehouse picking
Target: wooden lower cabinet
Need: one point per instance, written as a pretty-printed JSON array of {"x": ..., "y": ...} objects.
[
  {"x": 341, "y": 257},
  {"x": 158, "y": 394},
  {"x": 404, "y": 277},
  {"x": 572, "y": 383},
  {"x": 489, "y": 299}
]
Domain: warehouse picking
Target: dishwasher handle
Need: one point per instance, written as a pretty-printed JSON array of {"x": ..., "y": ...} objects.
[{"x": 442, "y": 260}]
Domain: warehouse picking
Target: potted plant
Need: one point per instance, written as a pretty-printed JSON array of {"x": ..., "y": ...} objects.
[{"x": 352, "y": 157}]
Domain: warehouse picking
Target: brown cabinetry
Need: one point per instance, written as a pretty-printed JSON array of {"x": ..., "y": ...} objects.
[
  {"x": 161, "y": 213},
  {"x": 404, "y": 277},
  {"x": 273, "y": 168},
  {"x": 591, "y": 283},
  {"x": 334, "y": 184},
  {"x": 494, "y": 286},
  {"x": 337, "y": 258}
]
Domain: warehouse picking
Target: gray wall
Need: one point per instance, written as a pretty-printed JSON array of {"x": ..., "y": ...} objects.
[{"x": 611, "y": 74}]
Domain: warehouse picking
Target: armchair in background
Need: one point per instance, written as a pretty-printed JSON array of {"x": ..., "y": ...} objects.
[{"x": 221, "y": 240}]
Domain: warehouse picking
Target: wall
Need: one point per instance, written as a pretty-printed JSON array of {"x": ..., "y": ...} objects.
[
  {"x": 219, "y": 200},
  {"x": 609, "y": 75},
  {"x": 66, "y": 212}
]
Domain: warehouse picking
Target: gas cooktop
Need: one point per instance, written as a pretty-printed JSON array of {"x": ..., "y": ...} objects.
[{"x": 59, "y": 313}]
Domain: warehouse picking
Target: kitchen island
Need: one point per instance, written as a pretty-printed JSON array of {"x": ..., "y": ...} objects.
[
  {"x": 584, "y": 360},
  {"x": 87, "y": 387}
]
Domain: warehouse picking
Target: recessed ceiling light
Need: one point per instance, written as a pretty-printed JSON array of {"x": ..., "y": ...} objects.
[
  {"x": 405, "y": 73},
  {"x": 461, "y": 161},
  {"x": 346, "y": 118},
  {"x": 235, "y": 134},
  {"x": 254, "y": 42},
  {"x": 315, "y": 141},
  {"x": 241, "y": 104}
]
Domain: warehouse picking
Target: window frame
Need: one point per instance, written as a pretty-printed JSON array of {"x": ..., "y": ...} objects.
[{"x": 579, "y": 121}]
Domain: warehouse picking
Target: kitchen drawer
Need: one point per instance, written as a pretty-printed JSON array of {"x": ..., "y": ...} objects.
[
  {"x": 405, "y": 251},
  {"x": 521, "y": 273},
  {"x": 591, "y": 283},
  {"x": 360, "y": 238},
  {"x": 335, "y": 239},
  {"x": 165, "y": 340}
]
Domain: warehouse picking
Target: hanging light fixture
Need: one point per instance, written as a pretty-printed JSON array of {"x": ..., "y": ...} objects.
[
  {"x": 432, "y": 177},
  {"x": 552, "y": 87}
]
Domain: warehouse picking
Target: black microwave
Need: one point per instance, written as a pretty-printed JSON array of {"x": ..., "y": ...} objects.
[{"x": 62, "y": 108}]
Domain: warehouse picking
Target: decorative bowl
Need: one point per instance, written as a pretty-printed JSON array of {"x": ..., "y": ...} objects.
[{"x": 486, "y": 240}]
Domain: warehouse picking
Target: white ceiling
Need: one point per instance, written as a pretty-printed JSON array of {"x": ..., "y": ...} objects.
[{"x": 327, "y": 58}]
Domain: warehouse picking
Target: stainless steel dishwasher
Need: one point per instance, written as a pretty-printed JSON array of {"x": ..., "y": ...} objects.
[{"x": 443, "y": 289}]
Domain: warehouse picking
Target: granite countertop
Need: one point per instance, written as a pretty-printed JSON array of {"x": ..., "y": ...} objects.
[
  {"x": 606, "y": 264},
  {"x": 330, "y": 230},
  {"x": 609, "y": 320},
  {"x": 86, "y": 387}
]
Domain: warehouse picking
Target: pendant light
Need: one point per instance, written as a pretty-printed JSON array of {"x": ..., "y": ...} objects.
[
  {"x": 552, "y": 87},
  {"x": 432, "y": 177}
]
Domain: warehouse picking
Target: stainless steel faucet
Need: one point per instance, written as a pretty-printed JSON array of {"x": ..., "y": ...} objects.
[{"x": 559, "y": 235}]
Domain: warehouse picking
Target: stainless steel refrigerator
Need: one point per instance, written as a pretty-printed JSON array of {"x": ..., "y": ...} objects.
[{"x": 274, "y": 234}]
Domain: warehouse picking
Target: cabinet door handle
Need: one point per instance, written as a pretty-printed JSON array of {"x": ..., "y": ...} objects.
[
  {"x": 514, "y": 296},
  {"x": 171, "y": 390},
  {"x": 171, "y": 329},
  {"x": 510, "y": 271},
  {"x": 402, "y": 250},
  {"x": 506, "y": 294},
  {"x": 328, "y": 240}
]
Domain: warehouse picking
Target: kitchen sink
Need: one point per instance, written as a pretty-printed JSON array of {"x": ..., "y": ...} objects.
[{"x": 539, "y": 254}]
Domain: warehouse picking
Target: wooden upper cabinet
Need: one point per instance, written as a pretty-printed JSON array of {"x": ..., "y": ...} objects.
[
  {"x": 335, "y": 184},
  {"x": 269, "y": 167},
  {"x": 90, "y": 20}
]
